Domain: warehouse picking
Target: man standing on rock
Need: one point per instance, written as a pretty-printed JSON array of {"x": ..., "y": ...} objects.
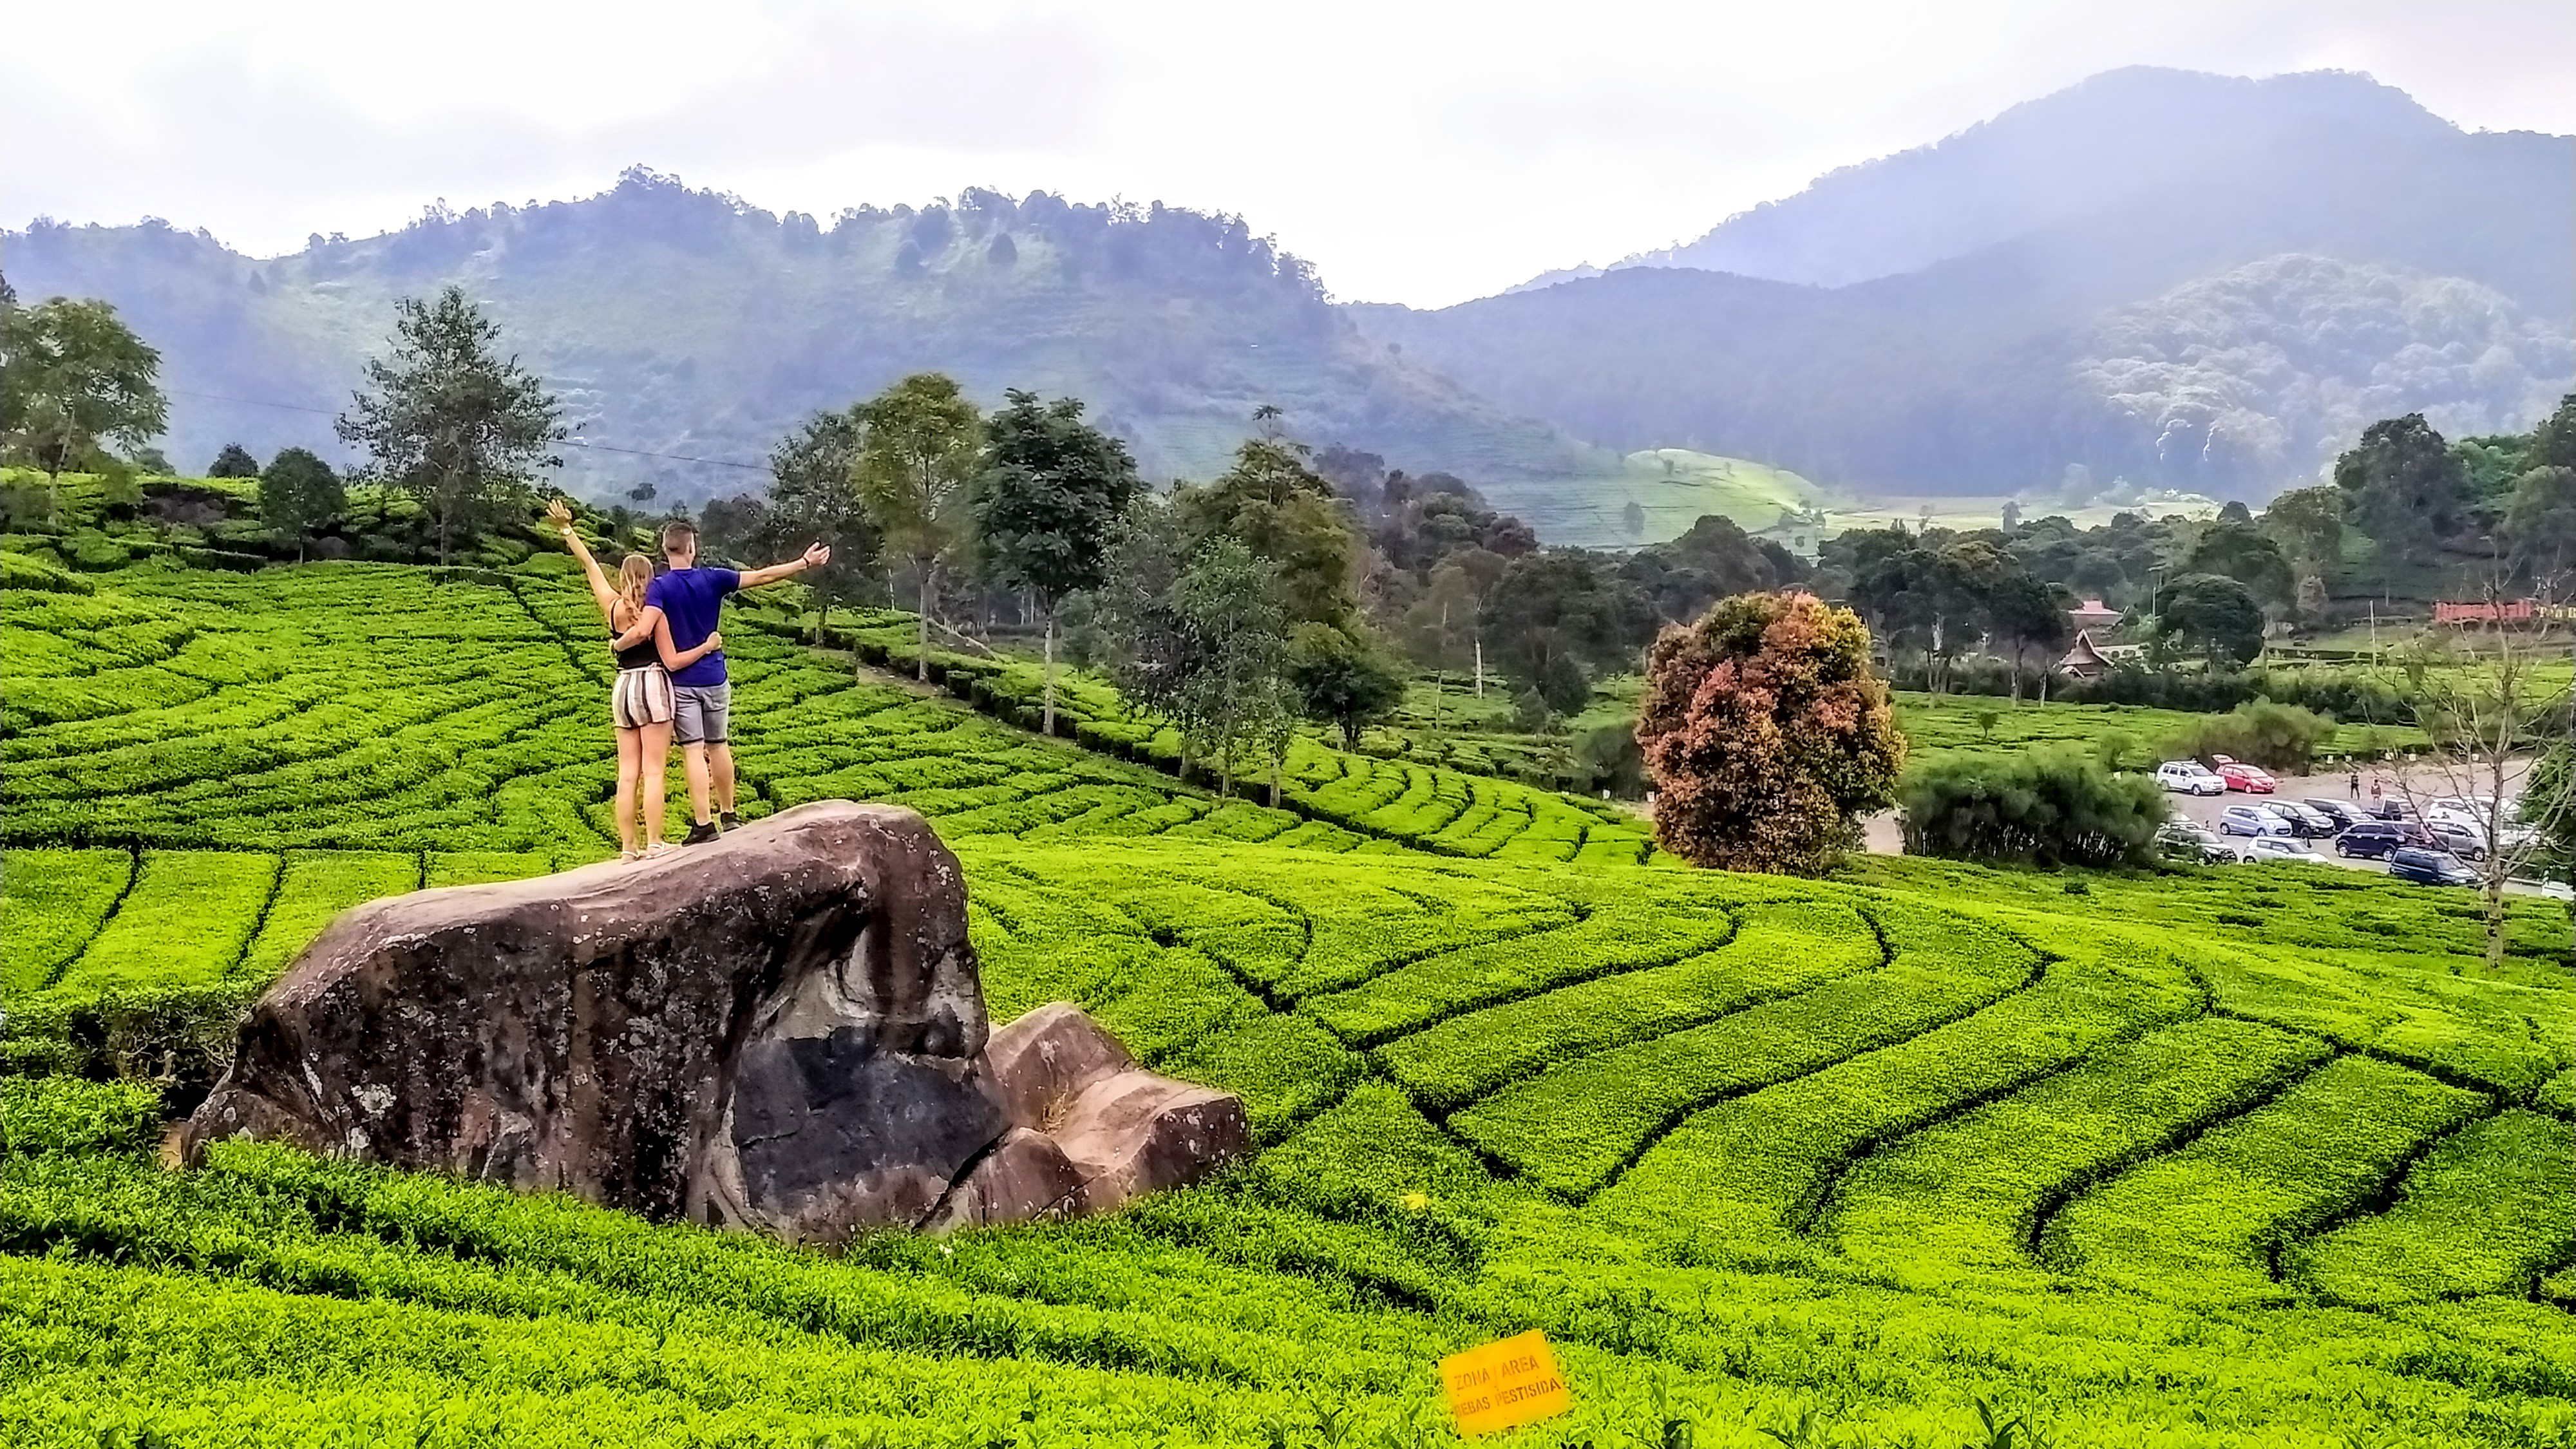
[{"x": 692, "y": 598}]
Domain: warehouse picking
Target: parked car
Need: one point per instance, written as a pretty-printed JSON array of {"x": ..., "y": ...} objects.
[
  {"x": 2305, "y": 823},
  {"x": 2237, "y": 775},
  {"x": 2465, "y": 841},
  {"x": 2183, "y": 840},
  {"x": 2391, "y": 808},
  {"x": 2429, "y": 867},
  {"x": 2272, "y": 850},
  {"x": 2189, "y": 777},
  {"x": 2251, "y": 820},
  {"x": 2343, "y": 815},
  {"x": 2374, "y": 839},
  {"x": 2558, "y": 890}
]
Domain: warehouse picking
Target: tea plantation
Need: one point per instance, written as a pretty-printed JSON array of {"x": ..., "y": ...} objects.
[{"x": 1912, "y": 1157}]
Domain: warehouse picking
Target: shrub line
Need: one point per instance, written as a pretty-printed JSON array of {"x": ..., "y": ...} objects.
[{"x": 71, "y": 958}]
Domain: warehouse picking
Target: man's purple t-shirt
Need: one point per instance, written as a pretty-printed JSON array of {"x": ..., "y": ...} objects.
[{"x": 692, "y": 599}]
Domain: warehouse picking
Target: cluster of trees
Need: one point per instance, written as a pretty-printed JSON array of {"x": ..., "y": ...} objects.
[
  {"x": 2446, "y": 517},
  {"x": 1230, "y": 607},
  {"x": 1295, "y": 585},
  {"x": 2506, "y": 500}
]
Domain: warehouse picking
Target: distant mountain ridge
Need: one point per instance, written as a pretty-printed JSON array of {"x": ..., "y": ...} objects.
[
  {"x": 2115, "y": 136},
  {"x": 1963, "y": 318},
  {"x": 682, "y": 322}
]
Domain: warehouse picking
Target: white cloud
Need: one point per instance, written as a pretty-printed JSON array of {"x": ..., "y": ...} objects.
[{"x": 1415, "y": 151}]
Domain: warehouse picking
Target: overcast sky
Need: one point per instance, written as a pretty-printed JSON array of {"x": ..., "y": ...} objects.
[{"x": 1416, "y": 152}]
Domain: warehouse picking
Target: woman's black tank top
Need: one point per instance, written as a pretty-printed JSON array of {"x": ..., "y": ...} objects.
[{"x": 646, "y": 655}]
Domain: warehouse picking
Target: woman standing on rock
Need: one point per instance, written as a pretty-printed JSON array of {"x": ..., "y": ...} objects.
[{"x": 640, "y": 701}]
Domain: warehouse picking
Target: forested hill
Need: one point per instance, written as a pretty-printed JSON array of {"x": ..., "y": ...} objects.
[
  {"x": 2189, "y": 280},
  {"x": 686, "y": 322}
]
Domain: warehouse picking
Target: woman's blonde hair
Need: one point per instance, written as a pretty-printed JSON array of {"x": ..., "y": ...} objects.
[{"x": 634, "y": 576}]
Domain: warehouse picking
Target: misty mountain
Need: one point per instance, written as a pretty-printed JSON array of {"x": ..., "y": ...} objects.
[
  {"x": 2189, "y": 280},
  {"x": 2142, "y": 143},
  {"x": 675, "y": 321}
]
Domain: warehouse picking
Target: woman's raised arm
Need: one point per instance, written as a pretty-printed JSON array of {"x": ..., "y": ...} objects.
[{"x": 599, "y": 589}]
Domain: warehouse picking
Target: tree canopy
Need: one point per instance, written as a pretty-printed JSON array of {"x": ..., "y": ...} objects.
[
  {"x": 74, "y": 379},
  {"x": 2213, "y": 617},
  {"x": 449, "y": 420},
  {"x": 920, "y": 447},
  {"x": 2403, "y": 484},
  {"x": 297, "y": 495},
  {"x": 1052, "y": 489}
]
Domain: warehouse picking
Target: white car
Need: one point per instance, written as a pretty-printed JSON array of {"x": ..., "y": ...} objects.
[
  {"x": 2189, "y": 777},
  {"x": 2272, "y": 850},
  {"x": 2558, "y": 890}
]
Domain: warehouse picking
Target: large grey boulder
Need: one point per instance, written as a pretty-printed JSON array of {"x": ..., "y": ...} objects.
[{"x": 782, "y": 1030}]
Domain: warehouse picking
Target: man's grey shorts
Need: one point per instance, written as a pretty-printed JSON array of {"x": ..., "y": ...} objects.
[{"x": 701, "y": 714}]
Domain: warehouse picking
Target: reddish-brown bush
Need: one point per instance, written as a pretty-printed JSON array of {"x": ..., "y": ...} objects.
[{"x": 1766, "y": 734}]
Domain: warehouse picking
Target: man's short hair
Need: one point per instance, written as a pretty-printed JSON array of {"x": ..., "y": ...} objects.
[{"x": 679, "y": 538}]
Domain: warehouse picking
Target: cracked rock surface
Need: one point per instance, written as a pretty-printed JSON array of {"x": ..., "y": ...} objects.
[{"x": 783, "y": 1030}]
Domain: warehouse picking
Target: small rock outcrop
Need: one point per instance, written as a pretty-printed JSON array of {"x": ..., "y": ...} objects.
[{"x": 783, "y": 1030}]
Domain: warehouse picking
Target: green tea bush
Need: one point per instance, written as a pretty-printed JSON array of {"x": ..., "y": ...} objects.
[
  {"x": 2203, "y": 1223},
  {"x": 67, "y": 1115},
  {"x": 1961, "y": 1199},
  {"x": 2047, "y": 808},
  {"x": 2486, "y": 1211}
]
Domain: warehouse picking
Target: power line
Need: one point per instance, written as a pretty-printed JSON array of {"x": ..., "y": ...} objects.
[{"x": 567, "y": 442}]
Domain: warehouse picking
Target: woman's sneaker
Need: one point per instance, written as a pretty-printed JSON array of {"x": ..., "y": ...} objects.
[
  {"x": 701, "y": 833},
  {"x": 729, "y": 821}
]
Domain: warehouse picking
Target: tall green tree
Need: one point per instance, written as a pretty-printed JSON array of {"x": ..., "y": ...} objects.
[
  {"x": 1237, "y": 694},
  {"x": 2215, "y": 617},
  {"x": 234, "y": 461},
  {"x": 1556, "y": 617},
  {"x": 2308, "y": 525},
  {"x": 449, "y": 420},
  {"x": 73, "y": 379},
  {"x": 1343, "y": 678},
  {"x": 2403, "y": 485},
  {"x": 298, "y": 493},
  {"x": 1961, "y": 587},
  {"x": 1151, "y": 651},
  {"x": 2024, "y": 613},
  {"x": 2540, "y": 522},
  {"x": 2237, "y": 549},
  {"x": 813, "y": 495},
  {"x": 921, "y": 444},
  {"x": 1277, "y": 507},
  {"x": 1052, "y": 491},
  {"x": 2553, "y": 442}
]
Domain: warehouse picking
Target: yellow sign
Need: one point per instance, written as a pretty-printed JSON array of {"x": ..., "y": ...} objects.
[{"x": 1502, "y": 1384}]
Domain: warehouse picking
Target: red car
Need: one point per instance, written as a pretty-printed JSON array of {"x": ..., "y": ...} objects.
[{"x": 2236, "y": 776}]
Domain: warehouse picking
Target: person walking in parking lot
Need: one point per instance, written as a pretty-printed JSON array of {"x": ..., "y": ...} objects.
[
  {"x": 2356, "y": 782},
  {"x": 691, "y": 599}
]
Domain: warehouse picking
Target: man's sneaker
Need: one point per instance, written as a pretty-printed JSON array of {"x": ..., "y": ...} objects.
[
  {"x": 701, "y": 833},
  {"x": 729, "y": 821}
]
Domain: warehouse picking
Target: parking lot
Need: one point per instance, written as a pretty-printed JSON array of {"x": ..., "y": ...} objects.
[{"x": 2205, "y": 809}]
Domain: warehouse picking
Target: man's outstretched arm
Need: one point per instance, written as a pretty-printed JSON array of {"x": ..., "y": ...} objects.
[{"x": 816, "y": 555}]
